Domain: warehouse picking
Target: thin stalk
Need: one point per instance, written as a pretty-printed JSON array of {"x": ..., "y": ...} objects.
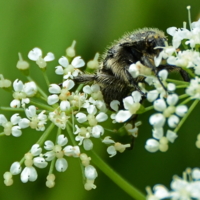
[
  {"x": 116, "y": 178},
  {"x": 11, "y": 109},
  {"x": 46, "y": 77},
  {"x": 186, "y": 116},
  {"x": 42, "y": 106},
  {"x": 178, "y": 82}
]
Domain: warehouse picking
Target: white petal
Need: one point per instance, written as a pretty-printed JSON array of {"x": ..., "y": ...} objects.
[
  {"x": 30, "y": 89},
  {"x": 15, "y": 168},
  {"x": 172, "y": 99},
  {"x": 3, "y": 119},
  {"x": 181, "y": 110},
  {"x": 95, "y": 88},
  {"x": 152, "y": 95},
  {"x": 48, "y": 145},
  {"x": 196, "y": 174},
  {"x": 157, "y": 120},
  {"x": 63, "y": 61},
  {"x": 87, "y": 89},
  {"x": 28, "y": 174},
  {"x": 61, "y": 165},
  {"x": 59, "y": 70},
  {"x": 128, "y": 102},
  {"x": 159, "y": 105},
  {"x": 152, "y": 145},
  {"x": 90, "y": 172},
  {"x": 107, "y": 140},
  {"x": 16, "y": 131},
  {"x": 54, "y": 89},
  {"x": 171, "y": 87},
  {"x": 78, "y": 62},
  {"x": 49, "y": 156},
  {"x": 91, "y": 109},
  {"x": 81, "y": 117},
  {"x": 163, "y": 74},
  {"x": 40, "y": 162},
  {"x": 161, "y": 192},
  {"x": 87, "y": 144},
  {"x": 30, "y": 111},
  {"x": 133, "y": 70},
  {"x": 18, "y": 85},
  {"x": 52, "y": 99},
  {"x": 101, "y": 117},
  {"x": 171, "y": 30},
  {"x": 115, "y": 105},
  {"x": 123, "y": 116},
  {"x": 112, "y": 151},
  {"x": 62, "y": 140},
  {"x": 49, "y": 57},
  {"x": 68, "y": 84},
  {"x": 24, "y": 123},
  {"x": 171, "y": 136},
  {"x": 173, "y": 121},
  {"x": 136, "y": 96},
  {"x": 64, "y": 105},
  {"x": 34, "y": 54},
  {"x": 97, "y": 131},
  {"x": 158, "y": 133},
  {"x": 36, "y": 149},
  {"x": 15, "y": 103}
]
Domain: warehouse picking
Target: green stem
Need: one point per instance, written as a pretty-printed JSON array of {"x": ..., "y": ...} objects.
[
  {"x": 52, "y": 165},
  {"x": 148, "y": 108},
  {"x": 189, "y": 72},
  {"x": 183, "y": 96},
  {"x": 45, "y": 134},
  {"x": 178, "y": 82},
  {"x": 185, "y": 101},
  {"x": 70, "y": 134},
  {"x": 116, "y": 178},
  {"x": 41, "y": 105},
  {"x": 186, "y": 116},
  {"x": 79, "y": 87},
  {"x": 11, "y": 109},
  {"x": 45, "y": 77},
  {"x": 181, "y": 86}
]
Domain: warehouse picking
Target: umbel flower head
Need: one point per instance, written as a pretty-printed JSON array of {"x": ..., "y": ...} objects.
[{"x": 71, "y": 116}]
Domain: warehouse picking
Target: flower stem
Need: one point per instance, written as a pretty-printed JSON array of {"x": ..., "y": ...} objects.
[
  {"x": 116, "y": 178},
  {"x": 178, "y": 82},
  {"x": 45, "y": 77},
  {"x": 148, "y": 108},
  {"x": 42, "y": 106},
  {"x": 186, "y": 116},
  {"x": 45, "y": 134},
  {"x": 11, "y": 109}
]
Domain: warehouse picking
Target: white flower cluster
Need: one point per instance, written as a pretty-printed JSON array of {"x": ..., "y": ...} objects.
[
  {"x": 56, "y": 152},
  {"x": 80, "y": 113},
  {"x": 181, "y": 188}
]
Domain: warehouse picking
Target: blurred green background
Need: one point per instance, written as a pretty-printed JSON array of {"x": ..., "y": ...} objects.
[{"x": 52, "y": 25}]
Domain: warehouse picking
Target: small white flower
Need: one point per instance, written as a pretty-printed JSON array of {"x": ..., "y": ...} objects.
[
  {"x": 90, "y": 172},
  {"x": 15, "y": 168},
  {"x": 29, "y": 174},
  {"x": 152, "y": 145},
  {"x": 36, "y": 55},
  {"x": 131, "y": 104},
  {"x": 69, "y": 70}
]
